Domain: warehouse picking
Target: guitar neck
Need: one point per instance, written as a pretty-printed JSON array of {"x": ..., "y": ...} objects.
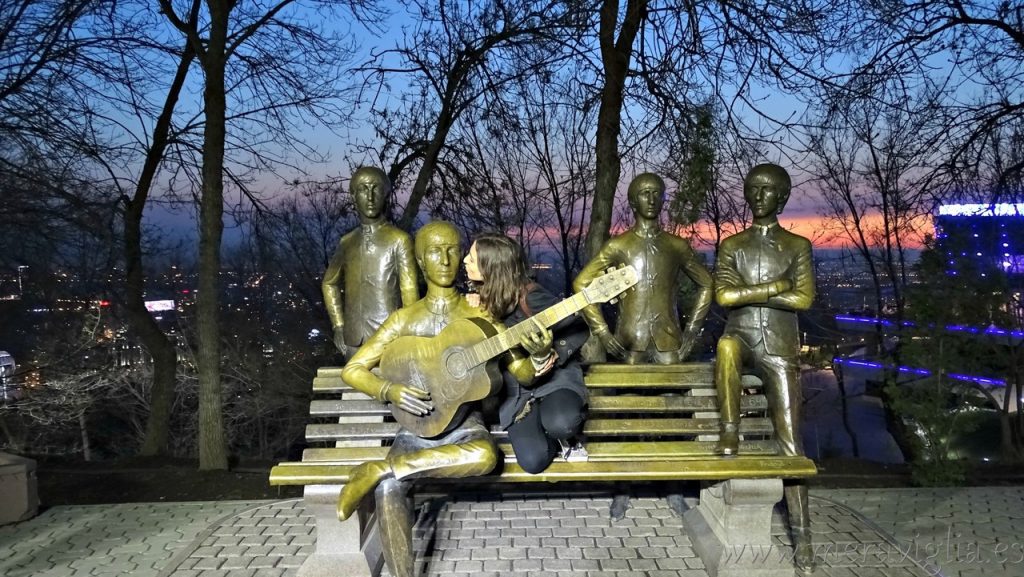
[{"x": 498, "y": 344}]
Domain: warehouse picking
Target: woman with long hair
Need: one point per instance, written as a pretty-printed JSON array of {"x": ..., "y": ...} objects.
[{"x": 543, "y": 418}]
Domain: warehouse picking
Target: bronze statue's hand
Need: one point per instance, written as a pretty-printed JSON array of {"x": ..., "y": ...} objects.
[
  {"x": 689, "y": 339},
  {"x": 538, "y": 341},
  {"x": 612, "y": 345},
  {"x": 339, "y": 340},
  {"x": 412, "y": 400}
]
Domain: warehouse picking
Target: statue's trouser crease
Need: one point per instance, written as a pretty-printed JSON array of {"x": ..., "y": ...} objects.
[
  {"x": 781, "y": 379},
  {"x": 467, "y": 451}
]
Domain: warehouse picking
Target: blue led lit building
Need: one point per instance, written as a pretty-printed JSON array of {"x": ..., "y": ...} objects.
[{"x": 990, "y": 233}]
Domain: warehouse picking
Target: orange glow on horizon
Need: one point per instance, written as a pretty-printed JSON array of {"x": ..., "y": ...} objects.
[{"x": 824, "y": 232}]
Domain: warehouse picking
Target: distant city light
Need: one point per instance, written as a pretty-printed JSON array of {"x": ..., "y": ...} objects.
[
  {"x": 919, "y": 371},
  {"x": 994, "y": 331},
  {"x": 1000, "y": 209},
  {"x": 158, "y": 306}
]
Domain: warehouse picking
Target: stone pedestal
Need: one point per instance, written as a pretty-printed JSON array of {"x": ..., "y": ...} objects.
[
  {"x": 348, "y": 548},
  {"x": 731, "y": 529},
  {"x": 19, "y": 493}
]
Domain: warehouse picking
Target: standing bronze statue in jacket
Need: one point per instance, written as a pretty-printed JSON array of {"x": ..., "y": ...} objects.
[
  {"x": 372, "y": 272},
  {"x": 763, "y": 276},
  {"x": 648, "y": 329}
]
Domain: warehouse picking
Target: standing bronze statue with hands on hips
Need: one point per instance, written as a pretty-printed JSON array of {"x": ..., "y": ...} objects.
[
  {"x": 372, "y": 272},
  {"x": 464, "y": 448},
  {"x": 648, "y": 329},
  {"x": 763, "y": 276}
]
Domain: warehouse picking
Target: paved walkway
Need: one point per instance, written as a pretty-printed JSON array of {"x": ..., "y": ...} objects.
[{"x": 858, "y": 533}]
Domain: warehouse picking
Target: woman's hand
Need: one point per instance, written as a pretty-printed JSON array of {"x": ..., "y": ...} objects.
[
  {"x": 538, "y": 342},
  {"x": 473, "y": 299}
]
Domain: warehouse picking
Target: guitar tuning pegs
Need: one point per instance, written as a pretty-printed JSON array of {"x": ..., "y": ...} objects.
[{"x": 613, "y": 301}]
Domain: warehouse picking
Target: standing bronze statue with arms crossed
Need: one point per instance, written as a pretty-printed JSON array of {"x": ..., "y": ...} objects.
[
  {"x": 763, "y": 276},
  {"x": 372, "y": 272},
  {"x": 648, "y": 329}
]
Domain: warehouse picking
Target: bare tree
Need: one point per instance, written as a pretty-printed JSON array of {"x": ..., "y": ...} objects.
[
  {"x": 458, "y": 53},
  {"x": 877, "y": 167},
  {"x": 663, "y": 63},
  {"x": 266, "y": 54},
  {"x": 981, "y": 46}
]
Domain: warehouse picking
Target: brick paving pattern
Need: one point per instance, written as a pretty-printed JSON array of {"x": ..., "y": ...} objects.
[
  {"x": 958, "y": 532},
  {"x": 961, "y": 532},
  {"x": 567, "y": 536},
  {"x": 106, "y": 540}
]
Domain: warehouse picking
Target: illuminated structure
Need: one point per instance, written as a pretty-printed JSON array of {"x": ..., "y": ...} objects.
[
  {"x": 988, "y": 232},
  {"x": 7, "y": 368}
]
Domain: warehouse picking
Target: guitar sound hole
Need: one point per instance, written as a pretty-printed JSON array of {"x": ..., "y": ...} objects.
[{"x": 456, "y": 364}]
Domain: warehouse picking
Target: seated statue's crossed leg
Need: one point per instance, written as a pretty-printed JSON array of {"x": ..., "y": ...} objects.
[{"x": 467, "y": 451}]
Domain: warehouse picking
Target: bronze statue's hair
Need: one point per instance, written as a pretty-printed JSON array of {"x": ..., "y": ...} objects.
[
  {"x": 640, "y": 179},
  {"x": 502, "y": 265},
  {"x": 431, "y": 232},
  {"x": 373, "y": 171},
  {"x": 774, "y": 173}
]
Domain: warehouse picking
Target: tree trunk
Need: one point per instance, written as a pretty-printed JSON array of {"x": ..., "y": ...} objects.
[
  {"x": 445, "y": 121},
  {"x": 212, "y": 443},
  {"x": 153, "y": 338},
  {"x": 615, "y": 55},
  {"x": 845, "y": 407},
  {"x": 86, "y": 449}
]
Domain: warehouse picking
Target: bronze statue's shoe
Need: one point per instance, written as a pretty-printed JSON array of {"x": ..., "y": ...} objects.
[
  {"x": 803, "y": 550},
  {"x": 728, "y": 440},
  {"x": 363, "y": 479}
]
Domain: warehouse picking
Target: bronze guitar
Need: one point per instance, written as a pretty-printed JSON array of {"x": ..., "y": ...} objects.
[{"x": 458, "y": 366}]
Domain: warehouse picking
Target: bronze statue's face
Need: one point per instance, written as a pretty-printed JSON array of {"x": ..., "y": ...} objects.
[
  {"x": 764, "y": 195},
  {"x": 370, "y": 192},
  {"x": 441, "y": 257},
  {"x": 646, "y": 199},
  {"x": 472, "y": 268}
]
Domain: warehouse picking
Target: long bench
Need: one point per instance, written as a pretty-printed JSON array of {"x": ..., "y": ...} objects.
[{"x": 646, "y": 423}]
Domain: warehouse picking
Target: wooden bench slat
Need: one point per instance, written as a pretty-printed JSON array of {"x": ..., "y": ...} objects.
[
  {"x": 686, "y": 376},
  {"x": 696, "y": 369},
  {"x": 598, "y": 405},
  {"x": 346, "y": 407},
  {"x": 752, "y": 467},
  {"x": 329, "y": 372},
  {"x": 597, "y": 427},
  {"x": 351, "y": 431},
  {"x": 599, "y": 451},
  {"x": 594, "y": 427},
  {"x": 331, "y": 385},
  {"x": 667, "y": 404},
  {"x": 663, "y": 381},
  {"x": 669, "y": 450}
]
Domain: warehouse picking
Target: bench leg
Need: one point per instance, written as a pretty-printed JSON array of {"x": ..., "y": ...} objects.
[
  {"x": 350, "y": 548},
  {"x": 731, "y": 529}
]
